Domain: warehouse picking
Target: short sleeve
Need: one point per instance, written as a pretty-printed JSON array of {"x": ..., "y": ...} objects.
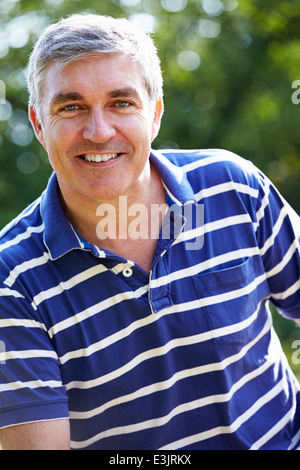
[
  {"x": 278, "y": 236},
  {"x": 31, "y": 387}
]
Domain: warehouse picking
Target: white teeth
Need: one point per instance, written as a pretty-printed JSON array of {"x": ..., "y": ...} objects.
[{"x": 100, "y": 158}]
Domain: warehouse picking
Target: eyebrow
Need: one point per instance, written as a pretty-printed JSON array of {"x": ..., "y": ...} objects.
[
  {"x": 124, "y": 92},
  {"x": 64, "y": 97}
]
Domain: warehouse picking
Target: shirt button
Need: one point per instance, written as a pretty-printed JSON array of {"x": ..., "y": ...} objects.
[{"x": 127, "y": 272}]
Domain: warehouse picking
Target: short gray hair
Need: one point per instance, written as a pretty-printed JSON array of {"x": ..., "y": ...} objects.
[{"x": 85, "y": 34}]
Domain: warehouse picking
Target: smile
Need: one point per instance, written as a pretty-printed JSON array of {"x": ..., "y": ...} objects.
[{"x": 99, "y": 158}]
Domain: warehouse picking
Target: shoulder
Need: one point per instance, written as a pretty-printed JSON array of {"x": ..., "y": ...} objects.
[
  {"x": 191, "y": 160},
  {"x": 210, "y": 167},
  {"x": 20, "y": 239}
]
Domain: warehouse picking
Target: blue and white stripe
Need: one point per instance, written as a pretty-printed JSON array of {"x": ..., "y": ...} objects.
[{"x": 185, "y": 358}]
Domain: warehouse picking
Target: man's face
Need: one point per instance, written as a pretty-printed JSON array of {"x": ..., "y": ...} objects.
[{"x": 97, "y": 125}]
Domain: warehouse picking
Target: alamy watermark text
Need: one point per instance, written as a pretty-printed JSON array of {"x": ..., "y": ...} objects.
[{"x": 137, "y": 221}]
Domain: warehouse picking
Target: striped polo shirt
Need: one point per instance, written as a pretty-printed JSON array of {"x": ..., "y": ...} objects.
[{"x": 183, "y": 358}]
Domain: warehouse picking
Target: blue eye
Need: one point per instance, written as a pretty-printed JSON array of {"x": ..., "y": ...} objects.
[
  {"x": 70, "y": 107},
  {"x": 122, "y": 104}
]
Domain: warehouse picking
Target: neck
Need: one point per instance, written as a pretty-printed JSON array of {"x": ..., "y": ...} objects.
[{"x": 124, "y": 225}]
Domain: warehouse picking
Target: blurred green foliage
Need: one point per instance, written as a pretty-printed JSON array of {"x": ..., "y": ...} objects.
[{"x": 229, "y": 70}]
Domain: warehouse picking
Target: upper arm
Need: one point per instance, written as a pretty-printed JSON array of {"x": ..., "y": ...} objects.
[
  {"x": 30, "y": 371},
  {"x": 42, "y": 435},
  {"x": 278, "y": 236}
]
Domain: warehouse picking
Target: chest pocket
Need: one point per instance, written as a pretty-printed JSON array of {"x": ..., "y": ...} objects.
[{"x": 229, "y": 299}]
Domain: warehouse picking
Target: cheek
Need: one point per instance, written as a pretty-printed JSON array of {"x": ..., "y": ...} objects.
[
  {"x": 59, "y": 137},
  {"x": 139, "y": 129}
]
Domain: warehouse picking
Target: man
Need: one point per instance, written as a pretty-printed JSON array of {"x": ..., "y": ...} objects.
[{"x": 148, "y": 338}]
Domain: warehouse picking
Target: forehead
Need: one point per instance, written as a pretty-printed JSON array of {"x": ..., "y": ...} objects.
[{"x": 98, "y": 73}]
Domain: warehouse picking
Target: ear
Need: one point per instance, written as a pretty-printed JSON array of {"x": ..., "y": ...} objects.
[
  {"x": 36, "y": 125},
  {"x": 158, "y": 112}
]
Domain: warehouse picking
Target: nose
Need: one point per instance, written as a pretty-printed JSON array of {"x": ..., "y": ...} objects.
[{"x": 98, "y": 126}]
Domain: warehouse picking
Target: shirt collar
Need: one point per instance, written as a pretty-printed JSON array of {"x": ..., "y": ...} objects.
[
  {"x": 60, "y": 236},
  {"x": 173, "y": 177}
]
